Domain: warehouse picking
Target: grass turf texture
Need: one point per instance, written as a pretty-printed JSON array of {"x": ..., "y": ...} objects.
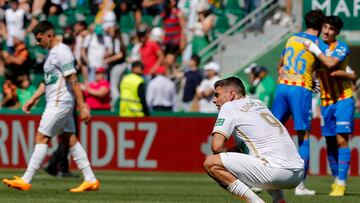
[{"x": 154, "y": 187}]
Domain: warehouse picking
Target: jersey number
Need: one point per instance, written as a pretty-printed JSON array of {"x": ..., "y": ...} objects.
[
  {"x": 299, "y": 60},
  {"x": 271, "y": 120}
]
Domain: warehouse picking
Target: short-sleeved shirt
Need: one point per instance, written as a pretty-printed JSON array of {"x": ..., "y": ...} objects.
[
  {"x": 334, "y": 89},
  {"x": 298, "y": 62},
  {"x": 97, "y": 102},
  {"x": 148, "y": 53},
  {"x": 265, "y": 137},
  {"x": 59, "y": 64}
]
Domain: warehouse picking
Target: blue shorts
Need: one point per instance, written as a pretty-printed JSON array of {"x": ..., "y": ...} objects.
[
  {"x": 338, "y": 118},
  {"x": 293, "y": 101}
]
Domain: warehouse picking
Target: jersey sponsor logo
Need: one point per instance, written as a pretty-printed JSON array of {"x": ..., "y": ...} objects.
[{"x": 220, "y": 122}]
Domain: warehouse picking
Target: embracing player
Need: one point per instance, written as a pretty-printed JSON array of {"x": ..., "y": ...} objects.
[
  {"x": 293, "y": 94},
  {"x": 337, "y": 103}
]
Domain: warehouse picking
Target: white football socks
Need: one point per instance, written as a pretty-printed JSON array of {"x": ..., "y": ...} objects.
[
  {"x": 80, "y": 157},
  {"x": 240, "y": 189},
  {"x": 37, "y": 157}
]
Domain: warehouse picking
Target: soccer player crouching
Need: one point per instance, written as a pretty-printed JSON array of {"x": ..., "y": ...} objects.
[{"x": 273, "y": 162}]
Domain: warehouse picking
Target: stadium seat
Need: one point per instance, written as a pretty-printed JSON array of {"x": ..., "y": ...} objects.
[
  {"x": 233, "y": 7},
  {"x": 148, "y": 19},
  {"x": 37, "y": 79},
  {"x": 2, "y": 80},
  {"x": 127, "y": 22}
]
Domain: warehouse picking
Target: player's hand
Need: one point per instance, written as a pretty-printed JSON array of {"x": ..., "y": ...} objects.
[
  {"x": 85, "y": 114},
  {"x": 312, "y": 47},
  {"x": 27, "y": 106}
]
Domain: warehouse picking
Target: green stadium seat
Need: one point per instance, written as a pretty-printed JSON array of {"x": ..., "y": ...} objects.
[
  {"x": 127, "y": 22},
  {"x": 37, "y": 79},
  {"x": 2, "y": 80},
  {"x": 148, "y": 19},
  {"x": 233, "y": 7}
]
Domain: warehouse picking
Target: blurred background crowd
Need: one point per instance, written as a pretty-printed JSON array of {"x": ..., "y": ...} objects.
[{"x": 161, "y": 40}]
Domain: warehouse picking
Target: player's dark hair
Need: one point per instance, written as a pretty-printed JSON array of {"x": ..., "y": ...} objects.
[
  {"x": 42, "y": 27},
  {"x": 232, "y": 81},
  {"x": 334, "y": 21},
  {"x": 314, "y": 19}
]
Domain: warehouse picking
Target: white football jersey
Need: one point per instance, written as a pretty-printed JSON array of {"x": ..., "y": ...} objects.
[
  {"x": 59, "y": 64},
  {"x": 266, "y": 138}
]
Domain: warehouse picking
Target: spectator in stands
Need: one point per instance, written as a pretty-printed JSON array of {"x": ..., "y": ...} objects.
[
  {"x": 161, "y": 92},
  {"x": 192, "y": 81},
  {"x": 150, "y": 52},
  {"x": 133, "y": 95},
  {"x": 157, "y": 34},
  {"x": 16, "y": 61},
  {"x": 202, "y": 28},
  {"x": 173, "y": 25},
  {"x": 10, "y": 99},
  {"x": 116, "y": 60},
  {"x": 25, "y": 90},
  {"x": 135, "y": 50},
  {"x": 14, "y": 23},
  {"x": 97, "y": 93},
  {"x": 80, "y": 33},
  {"x": 262, "y": 85},
  {"x": 205, "y": 91},
  {"x": 133, "y": 6},
  {"x": 94, "y": 50}
]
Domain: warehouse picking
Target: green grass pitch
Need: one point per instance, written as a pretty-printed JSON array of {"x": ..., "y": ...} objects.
[{"x": 154, "y": 187}]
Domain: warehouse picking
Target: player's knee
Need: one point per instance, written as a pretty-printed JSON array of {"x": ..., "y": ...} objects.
[{"x": 209, "y": 164}]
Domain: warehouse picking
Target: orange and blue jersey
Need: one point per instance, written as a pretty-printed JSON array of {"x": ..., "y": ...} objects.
[
  {"x": 334, "y": 89},
  {"x": 298, "y": 63}
]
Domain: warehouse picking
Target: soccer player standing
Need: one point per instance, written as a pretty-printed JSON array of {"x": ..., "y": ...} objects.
[
  {"x": 337, "y": 103},
  {"x": 61, "y": 85},
  {"x": 293, "y": 93},
  {"x": 272, "y": 163}
]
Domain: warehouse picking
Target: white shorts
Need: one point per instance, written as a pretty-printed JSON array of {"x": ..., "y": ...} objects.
[
  {"x": 57, "y": 120},
  {"x": 252, "y": 172}
]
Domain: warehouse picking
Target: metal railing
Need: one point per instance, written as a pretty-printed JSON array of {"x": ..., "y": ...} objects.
[{"x": 247, "y": 22}]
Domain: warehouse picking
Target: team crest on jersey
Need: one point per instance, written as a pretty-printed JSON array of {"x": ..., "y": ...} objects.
[{"x": 220, "y": 122}]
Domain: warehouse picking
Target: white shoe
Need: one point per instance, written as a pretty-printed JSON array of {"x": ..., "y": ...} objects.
[
  {"x": 256, "y": 190},
  {"x": 304, "y": 191}
]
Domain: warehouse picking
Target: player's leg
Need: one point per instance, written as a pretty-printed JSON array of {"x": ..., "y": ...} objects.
[
  {"x": 280, "y": 106},
  {"x": 300, "y": 104},
  {"x": 344, "y": 114},
  {"x": 51, "y": 122},
  {"x": 36, "y": 159},
  {"x": 328, "y": 130},
  {"x": 215, "y": 168},
  {"x": 81, "y": 159}
]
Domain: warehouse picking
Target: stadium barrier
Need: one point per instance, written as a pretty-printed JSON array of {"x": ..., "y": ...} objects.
[{"x": 177, "y": 144}]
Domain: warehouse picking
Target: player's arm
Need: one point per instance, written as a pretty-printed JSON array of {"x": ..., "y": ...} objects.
[
  {"x": 344, "y": 74},
  {"x": 328, "y": 61},
  {"x": 218, "y": 143},
  {"x": 75, "y": 86},
  {"x": 30, "y": 103}
]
